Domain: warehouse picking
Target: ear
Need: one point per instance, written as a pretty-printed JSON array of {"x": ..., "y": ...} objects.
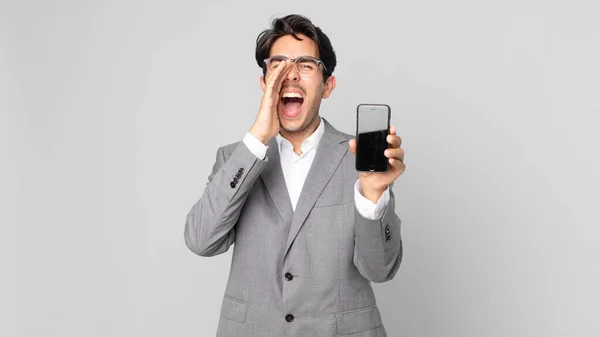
[
  {"x": 329, "y": 86},
  {"x": 262, "y": 83}
]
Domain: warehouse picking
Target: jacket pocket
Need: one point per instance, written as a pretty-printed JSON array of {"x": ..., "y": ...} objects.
[
  {"x": 358, "y": 320},
  {"x": 234, "y": 309}
]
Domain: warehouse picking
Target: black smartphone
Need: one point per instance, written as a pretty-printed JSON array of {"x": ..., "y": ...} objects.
[{"x": 372, "y": 129}]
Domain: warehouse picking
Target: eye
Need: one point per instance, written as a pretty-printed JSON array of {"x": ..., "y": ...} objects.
[
  {"x": 307, "y": 64},
  {"x": 273, "y": 64},
  {"x": 275, "y": 61}
]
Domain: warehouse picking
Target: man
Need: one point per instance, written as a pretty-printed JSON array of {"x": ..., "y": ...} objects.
[{"x": 310, "y": 233}]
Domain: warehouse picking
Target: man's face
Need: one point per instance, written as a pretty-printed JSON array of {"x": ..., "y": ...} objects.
[{"x": 299, "y": 114}]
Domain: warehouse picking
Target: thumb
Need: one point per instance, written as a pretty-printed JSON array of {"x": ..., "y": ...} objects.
[{"x": 352, "y": 146}]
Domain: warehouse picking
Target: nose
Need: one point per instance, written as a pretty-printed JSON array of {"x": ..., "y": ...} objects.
[{"x": 293, "y": 73}]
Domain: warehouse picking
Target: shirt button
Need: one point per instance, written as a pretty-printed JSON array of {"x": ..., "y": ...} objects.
[
  {"x": 232, "y": 184},
  {"x": 289, "y": 317},
  {"x": 289, "y": 276}
]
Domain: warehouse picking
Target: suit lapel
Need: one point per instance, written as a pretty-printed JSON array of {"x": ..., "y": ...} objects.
[
  {"x": 328, "y": 157},
  {"x": 274, "y": 180}
]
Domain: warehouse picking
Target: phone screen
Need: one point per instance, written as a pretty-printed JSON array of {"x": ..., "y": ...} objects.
[{"x": 372, "y": 128}]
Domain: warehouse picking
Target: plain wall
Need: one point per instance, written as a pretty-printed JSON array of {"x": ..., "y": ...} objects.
[{"x": 112, "y": 112}]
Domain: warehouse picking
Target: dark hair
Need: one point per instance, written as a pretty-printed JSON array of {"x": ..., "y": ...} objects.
[{"x": 291, "y": 25}]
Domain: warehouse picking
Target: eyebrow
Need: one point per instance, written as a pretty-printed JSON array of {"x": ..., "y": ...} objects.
[{"x": 294, "y": 57}]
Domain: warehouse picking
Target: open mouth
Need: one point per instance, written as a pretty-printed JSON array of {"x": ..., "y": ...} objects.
[{"x": 291, "y": 104}]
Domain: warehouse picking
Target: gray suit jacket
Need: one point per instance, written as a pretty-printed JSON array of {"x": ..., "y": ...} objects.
[{"x": 304, "y": 273}]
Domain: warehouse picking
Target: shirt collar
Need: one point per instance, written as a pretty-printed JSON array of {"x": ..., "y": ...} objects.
[{"x": 308, "y": 144}]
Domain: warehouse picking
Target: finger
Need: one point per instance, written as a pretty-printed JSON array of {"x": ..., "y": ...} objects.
[
  {"x": 397, "y": 165},
  {"x": 397, "y": 153},
  {"x": 271, "y": 76},
  {"x": 352, "y": 146},
  {"x": 282, "y": 75},
  {"x": 275, "y": 76},
  {"x": 278, "y": 82},
  {"x": 394, "y": 141},
  {"x": 392, "y": 130}
]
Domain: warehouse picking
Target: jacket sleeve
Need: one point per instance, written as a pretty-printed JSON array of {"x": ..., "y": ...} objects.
[
  {"x": 210, "y": 224},
  {"x": 378, "y": 244}
]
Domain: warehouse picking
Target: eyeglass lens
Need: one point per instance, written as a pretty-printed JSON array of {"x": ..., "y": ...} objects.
[{"x": 304, "y": 65}]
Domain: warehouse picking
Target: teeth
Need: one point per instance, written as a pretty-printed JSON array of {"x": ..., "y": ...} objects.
[{"x": 291, "y": 95}]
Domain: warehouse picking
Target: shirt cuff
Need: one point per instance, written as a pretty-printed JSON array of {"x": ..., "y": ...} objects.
[
  {"x": 255, "y": 146},
  {"x": 366, "y": 207}
]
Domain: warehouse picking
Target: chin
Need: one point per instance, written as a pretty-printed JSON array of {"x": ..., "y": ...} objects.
[{"x": 291, "y": 125}]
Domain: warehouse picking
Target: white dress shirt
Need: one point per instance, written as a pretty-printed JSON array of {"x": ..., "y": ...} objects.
[{"x": 295, "y": 169}]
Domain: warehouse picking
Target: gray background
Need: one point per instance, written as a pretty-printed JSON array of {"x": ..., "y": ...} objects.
[{"x": 112, "y": 112}]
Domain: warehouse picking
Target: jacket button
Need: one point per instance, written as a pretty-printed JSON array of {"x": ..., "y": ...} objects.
[
  {"x": 289, "y": 276},
  {"x": 289, "y": 317},
  {"x": 232, "y": 184},
  {"x": 235, "y": 180}
]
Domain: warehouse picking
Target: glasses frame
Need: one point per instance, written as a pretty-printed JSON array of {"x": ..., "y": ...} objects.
[{"x": 295, "y": 60}]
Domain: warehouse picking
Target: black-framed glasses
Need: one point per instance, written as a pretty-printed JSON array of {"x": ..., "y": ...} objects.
[{"x": 305, "y": 65}]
